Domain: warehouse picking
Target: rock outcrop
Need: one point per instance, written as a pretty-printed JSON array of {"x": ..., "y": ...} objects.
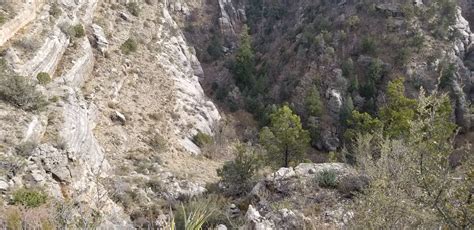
[
  {"x": 297, "y": 189},
  {"x": 26, "y": 14},
  {"x": 231, "y": 18}
]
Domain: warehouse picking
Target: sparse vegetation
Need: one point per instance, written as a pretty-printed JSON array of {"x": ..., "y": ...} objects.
[
  {"x": 327, "y": 179},
  {"x": 129, "y": 46},
  {"x": 134, "y": 8},
  {"x": 158, "y": 142},
  {"x": 3, "y": 19},
  {"x": 19, "y": 91},
  {"x": 27, "y": 44},
  {"x": 79, "y": 31},
  {"x": 368, "y": 46},
  {"x": 55, "y": 11},
  {"x": 201, "y": 139},
  {"x": 237, "y": 175},
  {"x": 316, "y": 80},
  {"x": 43, "y": 78},
  {"x": 30, "y": 198},
  {"x": 202, "y": 213},
  {"x": 25, "y": 149}
]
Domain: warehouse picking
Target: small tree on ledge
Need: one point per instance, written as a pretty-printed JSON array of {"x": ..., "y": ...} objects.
[{"x": 285, "y": 140}]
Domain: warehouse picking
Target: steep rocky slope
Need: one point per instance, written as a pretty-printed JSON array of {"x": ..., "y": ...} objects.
[{"x": 113, "y": 119}]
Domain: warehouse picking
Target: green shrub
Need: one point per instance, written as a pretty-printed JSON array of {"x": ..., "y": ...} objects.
[
  {"x": 201, "y": 139},
  {"x": 215, "y": 48},
  {"x": 30, "y": 198},
  {"x": 237, "y": 175},
  {"x": 351, "y": 185},
  {"x": 133, "y": 8},
  {"x": 43, "y": 78},
  {"x": 327, "y": 179},
  {"x": 20, "y": 91},
  {"x": 353, "y": 21},
  {"x": 417, "y": 41},
  {"x": 3, "y": 19},
  {"x": 368, "y": 46},
  {"x": 129, "y": 46},
  {"x": 403, "y": 55},
  {"x": 158, "y": 142},
  {"x": 55, "y": 11},
  {"x": 79, "y": 31},
  {"x": 313, "y": 102},
  {"x": 448, "y": 74},
  {"x": 348, "y": 68}
]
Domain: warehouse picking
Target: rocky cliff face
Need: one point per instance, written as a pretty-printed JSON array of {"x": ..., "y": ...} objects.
[{"x": 109, "y": 111}]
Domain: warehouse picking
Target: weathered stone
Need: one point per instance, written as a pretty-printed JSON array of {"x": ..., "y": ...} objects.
[
  {"x": 282, "y": 174},
  {"x": 221, "y": 227},
  {"x": 37, "y": 176},
  {"x": 390, "y": 9},
  {"x": 118, "y": 118},
  {"x": 125, "y": 16},
  {"x": 309, "y": 169},
  {"x": 4, "y": 186},
  {"x": 100, "y": 38},
  {"x": 255, "y": 221},
  {"x": 53, "y": 161},
  {"x": 173, "y": 188}
]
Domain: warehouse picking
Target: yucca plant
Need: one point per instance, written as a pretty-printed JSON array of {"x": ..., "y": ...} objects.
[
  {"x": 192, "y": 217},
  {"x": 197, "y": 217}
]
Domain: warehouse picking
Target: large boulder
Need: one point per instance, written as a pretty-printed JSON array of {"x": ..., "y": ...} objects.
[
  {"x": 54, "y": 161},
  {"x": 102, "y": 44}
]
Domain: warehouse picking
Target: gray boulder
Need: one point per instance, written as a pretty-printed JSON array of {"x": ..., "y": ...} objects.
[{"x": 101, "y": 41}]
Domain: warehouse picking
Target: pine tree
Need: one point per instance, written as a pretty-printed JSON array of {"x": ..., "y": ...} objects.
[
  {"x": 285, "y": 140},
  {"x": 313, "y": 102},
  {"x": 244, "y": 69},
  {"x": 399, "y": 111}
]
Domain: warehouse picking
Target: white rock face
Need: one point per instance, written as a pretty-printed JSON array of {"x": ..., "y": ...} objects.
[
  {"x": 230, "y": 18},
  {"x": 192, "y": 105},
  {"x": 26, "y": 15},
  {"x": 101, "y": 40},
  {"x": 464, "y": 80}
]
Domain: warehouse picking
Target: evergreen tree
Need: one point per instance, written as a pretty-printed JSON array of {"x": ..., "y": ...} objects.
[
  {"x": 244, "y": 69},
  {"x": 313, "y": 102},
  {"x": 237, "y": 175},
  {"x": 399, "y": 111},
  {"x": 285, "y": 140},
  {"x": 346, "y": 111},
  {"x": 361, "y": 124}
]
